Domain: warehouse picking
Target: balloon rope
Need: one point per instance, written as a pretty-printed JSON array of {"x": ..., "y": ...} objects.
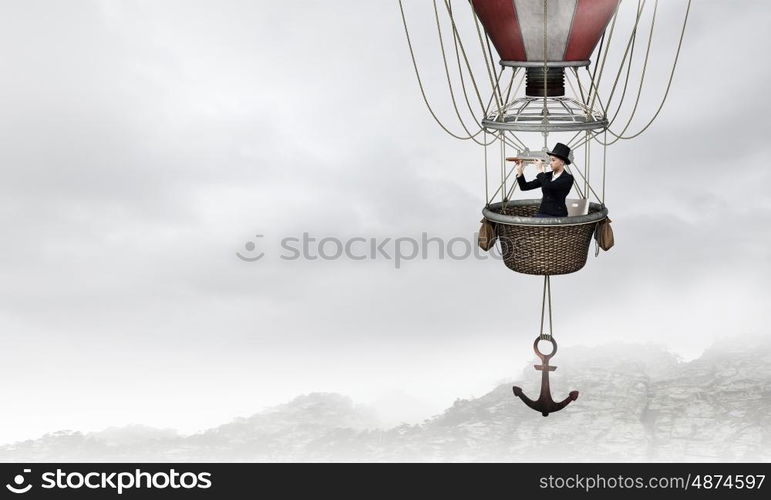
[
  {"x": 604, "y": 58},
  {"x": 642, "y": 76},
  {"x": 490, "y": 71},
  {"x": 632, "y": 38},
  {"x": 597, "y": 62},
  {"x": 449, "y": 80},
  {"x": 669, "y": 83},
  {"x": 663, "y": 100},
  {"x": 626, "y": 78},
  {"x": 466, "y": 91},
  {"x": 495, "y": 84},
  {"x": 420, "y": 82}
]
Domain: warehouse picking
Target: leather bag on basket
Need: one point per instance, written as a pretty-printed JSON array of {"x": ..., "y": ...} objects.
[
  {"x": 603, "y": 233},
  {"x": 487, "y": 235}
]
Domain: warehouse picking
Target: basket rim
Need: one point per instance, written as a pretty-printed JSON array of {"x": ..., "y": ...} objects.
[{"x": 492, "y": 213}]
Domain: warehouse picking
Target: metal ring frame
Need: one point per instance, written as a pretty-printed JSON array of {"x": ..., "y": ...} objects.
[
  {"x": 526, "y": 114},
  {"x": 492, "y": 213},
  {"x": 548, "y": 64}
]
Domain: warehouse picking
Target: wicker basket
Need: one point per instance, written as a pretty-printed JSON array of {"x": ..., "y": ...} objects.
[{"x": 543, "y": 246}]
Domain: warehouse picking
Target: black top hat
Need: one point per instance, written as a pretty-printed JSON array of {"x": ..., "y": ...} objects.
[{"x": 562, "y": 152}]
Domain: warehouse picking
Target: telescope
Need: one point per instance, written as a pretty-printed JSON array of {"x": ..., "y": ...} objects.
[{"x": 528, "y": 156}]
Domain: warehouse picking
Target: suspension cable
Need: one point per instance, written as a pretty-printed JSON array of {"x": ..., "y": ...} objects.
[
  {"x": 484, "y": 56},
  {"x": 666, "y": 93},
  {"x": 496, "y": 85},
  {"x": 420, "y": 82},
  {"x": 604, "y": 166},
  {"x": 597, "y": 62},
  {"x": 604, "y": 58},
  {"x": 642, "y": 76},
  {"x": 503, "y": 166},
  {"x": 575, "y": 185},
  {"x": 592, "y": 84},
  {"x": 463, "y": 83},
  {"x": 487, "y": 183},
  {"x": 465, "y": 90},
  {"x": 669, "y": 83},
  {"x": 632, "y": 37},
  {"x": 463, "y": 52},
  {"x": 447, "y": 72},
  {"x": 492, "y": 63},
  {"x": 626, "y": 78},
  {"x": 587, "y": 164}
]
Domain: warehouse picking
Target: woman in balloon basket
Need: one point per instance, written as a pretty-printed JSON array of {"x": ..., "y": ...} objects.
[{"x": 555, "y": 185}]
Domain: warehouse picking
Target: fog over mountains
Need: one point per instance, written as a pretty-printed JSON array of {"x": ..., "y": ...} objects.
[{"x": 637, "y": 403}]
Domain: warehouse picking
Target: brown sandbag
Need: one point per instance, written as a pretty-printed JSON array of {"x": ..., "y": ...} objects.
[
  {"x": 603, "y": 233},
  {"x": 487, "y": 235}
]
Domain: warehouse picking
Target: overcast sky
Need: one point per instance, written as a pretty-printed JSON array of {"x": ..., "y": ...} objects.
[{"x": 144, "y": 143}]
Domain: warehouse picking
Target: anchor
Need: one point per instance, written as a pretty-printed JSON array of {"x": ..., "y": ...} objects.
[{"x": 545, "y": 404}]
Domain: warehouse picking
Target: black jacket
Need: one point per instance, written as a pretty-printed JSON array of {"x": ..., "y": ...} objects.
[{"x": 554, "y": 193}]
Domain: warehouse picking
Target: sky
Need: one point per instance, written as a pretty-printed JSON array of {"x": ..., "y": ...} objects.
[{"x": 144, "y": 144}]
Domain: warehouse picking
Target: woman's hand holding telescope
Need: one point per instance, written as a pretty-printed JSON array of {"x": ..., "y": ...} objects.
[{"x": 519, "y": 169}]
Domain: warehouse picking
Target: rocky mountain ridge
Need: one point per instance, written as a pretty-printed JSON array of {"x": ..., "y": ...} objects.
[{"x": 637, "y": 403}]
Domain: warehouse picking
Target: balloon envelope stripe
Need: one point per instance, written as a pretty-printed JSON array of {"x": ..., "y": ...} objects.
[
  {"x": 590, "y": 21},
  {"x": 499, "y": 18}
]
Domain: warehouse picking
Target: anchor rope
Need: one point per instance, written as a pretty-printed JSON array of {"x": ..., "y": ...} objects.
[{"x": 546, "y": 301}]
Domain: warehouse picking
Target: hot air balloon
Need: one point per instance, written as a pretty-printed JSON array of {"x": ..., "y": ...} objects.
[
  {"x": 545, "y": 38},
  {"x": 548, "y": 85}
]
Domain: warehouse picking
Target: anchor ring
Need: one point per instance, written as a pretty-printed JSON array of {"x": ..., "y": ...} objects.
[{"x": 545, "y": 357}]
